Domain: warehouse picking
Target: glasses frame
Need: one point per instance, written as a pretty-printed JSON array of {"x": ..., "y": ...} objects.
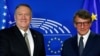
[{"x": 82, "y": 23}]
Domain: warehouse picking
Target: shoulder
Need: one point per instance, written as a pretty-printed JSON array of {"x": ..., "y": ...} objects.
[
  {"x": 7, "y": 30},
  {"x": 70, "y": 40},
  {"x": 92, "y": 34},
  {"x": 5, "y": 33},
  {"x": 35, "y": 32}
]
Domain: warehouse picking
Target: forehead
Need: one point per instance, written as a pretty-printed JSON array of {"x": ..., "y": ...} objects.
[{"x": 79, "y": 19}]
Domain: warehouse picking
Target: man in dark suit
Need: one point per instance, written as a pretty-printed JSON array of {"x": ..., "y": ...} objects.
[
  {"x": 85, "y": 42},
  {"x": 13, "y": 40}
]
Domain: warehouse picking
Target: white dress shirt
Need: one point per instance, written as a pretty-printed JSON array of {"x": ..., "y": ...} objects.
[
  {"x": 30, "y": 38},
  {"x": 85, "y": 38}
]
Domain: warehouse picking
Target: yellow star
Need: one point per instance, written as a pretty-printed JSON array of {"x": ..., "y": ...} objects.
[{"x": 94, "y": 17}]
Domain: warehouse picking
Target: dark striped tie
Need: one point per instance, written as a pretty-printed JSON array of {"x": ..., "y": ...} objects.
[{"x": 81, "y": 46}]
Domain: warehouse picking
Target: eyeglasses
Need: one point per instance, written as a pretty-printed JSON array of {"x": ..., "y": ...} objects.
[{"x": 82, "y": 23}]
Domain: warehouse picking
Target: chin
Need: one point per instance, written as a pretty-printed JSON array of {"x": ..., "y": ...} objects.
[
  {"x": 23, "y": 26},
  {"x": 83, "y": 33}
]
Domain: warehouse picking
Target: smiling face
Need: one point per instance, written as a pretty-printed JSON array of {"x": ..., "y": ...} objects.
[
  {"x": 23, "y": 17},
  {"x": 82, "y": 25}
]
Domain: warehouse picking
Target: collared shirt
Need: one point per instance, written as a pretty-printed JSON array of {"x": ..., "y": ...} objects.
[
  {"x": 31, "y": 42},
  {"x": 85, "y": 38}
]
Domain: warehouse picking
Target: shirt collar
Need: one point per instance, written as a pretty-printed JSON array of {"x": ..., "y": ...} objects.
[
  {"x": 85, "y": 37},
  {"x": 24, "y": 31}
]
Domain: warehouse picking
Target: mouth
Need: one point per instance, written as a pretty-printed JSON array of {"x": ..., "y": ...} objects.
[{"x": 23, "y": 20}]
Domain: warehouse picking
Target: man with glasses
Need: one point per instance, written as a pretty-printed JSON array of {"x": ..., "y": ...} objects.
[{"x": 85, "y": 42}]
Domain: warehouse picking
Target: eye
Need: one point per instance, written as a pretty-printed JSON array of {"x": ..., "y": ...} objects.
[
  {"x": 19, "y": 14},
  {"x": 82, "y": 23},
  {"x": 27, "y": 14}
]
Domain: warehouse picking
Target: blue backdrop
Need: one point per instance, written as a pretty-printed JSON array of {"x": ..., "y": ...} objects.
[{"x": 53, "y": 18}]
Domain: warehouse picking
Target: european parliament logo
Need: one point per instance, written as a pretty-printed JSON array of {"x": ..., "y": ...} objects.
[{"x": 54, "y": 34}]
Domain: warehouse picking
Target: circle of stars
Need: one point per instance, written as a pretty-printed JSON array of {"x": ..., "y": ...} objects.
[{"x": 60, "y": 43}]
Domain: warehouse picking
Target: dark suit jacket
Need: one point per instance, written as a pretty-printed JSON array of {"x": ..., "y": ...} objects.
[
  {"x": 12, "y": 43},
  {"x": 92, "y": 48}
]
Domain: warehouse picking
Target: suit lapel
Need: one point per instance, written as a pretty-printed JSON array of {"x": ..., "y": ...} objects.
[
  {"x": 75, "y": 45},
  {"x": 90, "y": 43},
  {"x": 21, "y": 39}
]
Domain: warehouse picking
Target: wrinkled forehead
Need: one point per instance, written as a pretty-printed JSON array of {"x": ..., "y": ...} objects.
[{"x": 23, "y": 9}]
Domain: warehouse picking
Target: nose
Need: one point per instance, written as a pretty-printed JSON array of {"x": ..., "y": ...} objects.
[
  {"x": 23, "y": 16},
  {"x": 82, "y": 26}
]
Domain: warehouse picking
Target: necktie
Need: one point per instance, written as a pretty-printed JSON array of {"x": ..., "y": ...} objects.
[
  {"x": 27, "y": 41},
  {"x": 81, "y": 46}
]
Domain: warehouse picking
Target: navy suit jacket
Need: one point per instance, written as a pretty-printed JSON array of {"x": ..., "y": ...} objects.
[
  {"x": 12, "y": 43},
  {"x": 92, "y": 48}
]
